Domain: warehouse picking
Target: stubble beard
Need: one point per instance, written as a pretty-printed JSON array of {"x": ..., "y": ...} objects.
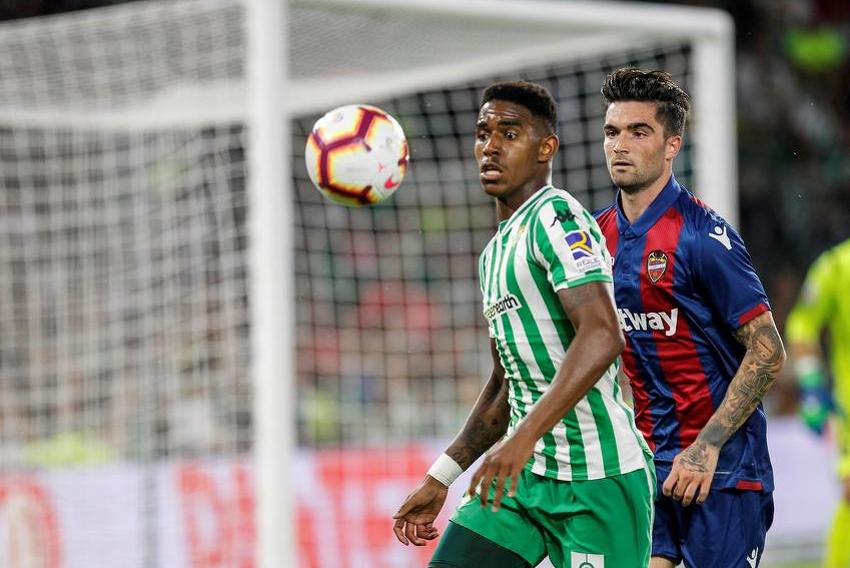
[
  {"x": 638, "y": 182},
  {"x": 632, "y": 186}
]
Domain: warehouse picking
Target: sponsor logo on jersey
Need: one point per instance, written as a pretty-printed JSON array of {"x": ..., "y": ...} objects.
[
  {"x": 650, "y": 321},
  {"x": 656, "y": 265},
  {"x": 719, "y": 234},
  {"x": 584, "y": 560},
  {"x": 502, "y": 305},
  {"x": 582, "y": 249},
  {"x": 562, "y": 216}
]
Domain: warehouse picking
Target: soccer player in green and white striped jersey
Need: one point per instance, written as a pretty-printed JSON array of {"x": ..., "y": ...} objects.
[{"x": 566, "y": 473}]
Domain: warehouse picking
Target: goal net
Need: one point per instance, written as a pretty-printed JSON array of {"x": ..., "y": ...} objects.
[{"x": 127, "y": 429}]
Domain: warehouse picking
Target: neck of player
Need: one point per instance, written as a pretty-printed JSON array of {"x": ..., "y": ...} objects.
[
  {"x": 635, "y": 201},
  {"x": 513, "y": 200}
]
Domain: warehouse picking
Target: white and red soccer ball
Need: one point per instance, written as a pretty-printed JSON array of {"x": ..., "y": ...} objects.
[{"x": 356, "y": 155}]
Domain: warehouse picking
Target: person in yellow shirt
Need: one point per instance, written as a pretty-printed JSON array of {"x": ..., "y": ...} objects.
[{"x": 824, "y": 305}]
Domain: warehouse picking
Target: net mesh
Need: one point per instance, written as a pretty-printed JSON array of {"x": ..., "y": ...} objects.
[
  {"x": 124, "y": 320},
  {"x": 392, "y": 344},
  {"x": 124, "y": 282}
]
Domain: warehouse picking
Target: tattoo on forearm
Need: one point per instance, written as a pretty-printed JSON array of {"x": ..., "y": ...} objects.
[
  {"x": 764, "y": 358},
  {"x": 485, "y": 426},
  {"x": 475, "y": 439}
]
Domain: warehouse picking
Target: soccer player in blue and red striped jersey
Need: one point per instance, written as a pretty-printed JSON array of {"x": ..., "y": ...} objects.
[{"x": 702, "y": 348}]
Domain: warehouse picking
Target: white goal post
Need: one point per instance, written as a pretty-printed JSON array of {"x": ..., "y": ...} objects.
[{"x": 156, "y": 228}]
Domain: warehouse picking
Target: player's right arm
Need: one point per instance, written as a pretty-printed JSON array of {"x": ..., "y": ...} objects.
[{"x": 486, "y": 425}]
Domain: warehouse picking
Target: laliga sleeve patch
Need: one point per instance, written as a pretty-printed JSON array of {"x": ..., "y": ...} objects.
[{"x": 581, "y": 248}]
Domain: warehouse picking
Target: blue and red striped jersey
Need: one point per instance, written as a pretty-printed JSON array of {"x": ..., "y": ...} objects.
[{"x": 684, "y": 283}]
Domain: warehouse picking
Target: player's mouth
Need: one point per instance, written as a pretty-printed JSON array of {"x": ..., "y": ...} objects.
[
  {"x": 491, "y": 173},
  {"x": 621, "y": 164}
]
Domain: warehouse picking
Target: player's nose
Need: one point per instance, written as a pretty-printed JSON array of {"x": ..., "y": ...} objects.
[{"x": 619, "y": 146}]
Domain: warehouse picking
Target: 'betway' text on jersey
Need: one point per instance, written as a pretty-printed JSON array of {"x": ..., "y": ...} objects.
[
  {"x": 655, "y": 321},
  {"x": 548, "y": 244}
]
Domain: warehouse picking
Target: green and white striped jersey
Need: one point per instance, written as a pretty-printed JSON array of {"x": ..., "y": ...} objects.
[{"x": 551, "y": 242}]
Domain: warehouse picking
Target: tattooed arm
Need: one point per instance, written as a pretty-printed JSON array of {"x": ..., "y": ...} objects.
[
  {"x": 486, "y": 424},
  {"x": 488, "y": 420},
  {"x": 693, "y": 469}
]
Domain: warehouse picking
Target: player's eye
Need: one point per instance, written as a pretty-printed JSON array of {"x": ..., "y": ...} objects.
[
  {"x": 481, "y": 136},
  {"x": 511, "y": 135}
]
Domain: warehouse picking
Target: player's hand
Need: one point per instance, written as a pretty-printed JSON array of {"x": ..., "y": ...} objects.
[
  {"x": 502, "y": 465},
  {"x": 815, "y": 407},
  {"x": 414, "y": 521},
  {"x": 693, "y": 470}
]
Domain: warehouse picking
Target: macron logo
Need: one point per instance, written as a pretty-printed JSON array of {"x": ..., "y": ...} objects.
[
  {"x": 655, "y": 321},
  {"x": 719, "y": 235},
  {"x": 752, "y": 559}
]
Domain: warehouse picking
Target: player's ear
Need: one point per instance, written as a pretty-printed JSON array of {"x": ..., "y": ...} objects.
[
  {"x": 672, "y": 146},
  {"x": 547, "y": 148}
]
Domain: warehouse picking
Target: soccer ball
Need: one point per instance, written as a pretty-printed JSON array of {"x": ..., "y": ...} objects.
[{"x": 356, "y": 155}]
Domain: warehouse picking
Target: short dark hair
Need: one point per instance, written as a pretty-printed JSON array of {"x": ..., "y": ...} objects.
[
  {"x": 632, "y": 84},
  {"x": 536, "y": 98}
]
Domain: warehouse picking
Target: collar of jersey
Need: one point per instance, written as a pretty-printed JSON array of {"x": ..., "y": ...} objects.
[
  {"x": 504, "y": 225},
  {"x": 656, "y": 209}
]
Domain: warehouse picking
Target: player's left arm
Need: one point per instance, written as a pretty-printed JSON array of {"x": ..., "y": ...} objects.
[
  {"x": 597, "y": 343},
  {"x": 567, "y": 244},
  {"x": 722, "y": 269},
  {"x": 693, "y": 469}
]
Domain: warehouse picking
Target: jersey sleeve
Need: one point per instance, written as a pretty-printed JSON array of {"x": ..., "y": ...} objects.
[
  {"x": 568, "y": 244},
  {"x": 815, "y": 304},
  {"x": 727, "y": 275},
  {"x": 483, "y": 259}
]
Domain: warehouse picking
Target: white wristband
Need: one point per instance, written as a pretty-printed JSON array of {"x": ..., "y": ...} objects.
[{"x": 445, "y": 470}]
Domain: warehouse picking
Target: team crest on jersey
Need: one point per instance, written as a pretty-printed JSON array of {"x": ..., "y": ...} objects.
[
  {"x": 582, "y": 248},
  {"x": 517, "y": 235},
  {"x": 656, "y": 265}
]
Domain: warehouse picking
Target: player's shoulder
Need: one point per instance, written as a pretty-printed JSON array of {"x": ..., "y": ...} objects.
[
  {"x": 706, "y": 231},
  {"x": 697, "y": 213},
  {"x": 491, "y": 242},
  {"x": 558, "y": 205},
  {"x": 702, "y": 223}
]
